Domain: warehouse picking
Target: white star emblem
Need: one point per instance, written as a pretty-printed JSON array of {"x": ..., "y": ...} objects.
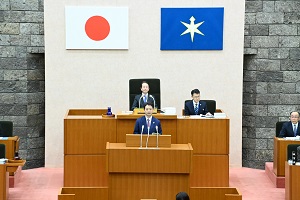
[{"x": 192, "y": 28}]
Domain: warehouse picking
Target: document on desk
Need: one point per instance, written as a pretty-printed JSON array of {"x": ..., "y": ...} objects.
[
  {"x": 292, "y": 138},
  {"x": 3, "y": 138}
]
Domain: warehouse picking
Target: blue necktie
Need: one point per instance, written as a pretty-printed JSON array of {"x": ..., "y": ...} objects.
[
  {"x": 295, "y": 130},
  {"x": 196, "y": 109},
  {"x": 145, "y": 100}
]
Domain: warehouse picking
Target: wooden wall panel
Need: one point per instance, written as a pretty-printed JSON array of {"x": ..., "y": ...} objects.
[
  {"x": 88, "y": 136},
  {"x": 207, "y": 136},
  {"x": 85, "y": 171},
  {"x": 210, "y": 171}
]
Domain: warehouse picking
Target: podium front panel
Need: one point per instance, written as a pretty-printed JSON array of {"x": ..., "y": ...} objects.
[
  {"x": 176, "y": 159},
  {"x": 138, "y": 186}
]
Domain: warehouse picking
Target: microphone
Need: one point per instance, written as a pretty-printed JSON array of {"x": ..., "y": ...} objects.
[
  {"x": 153, "y": 100},
  {"x": 140, "y": 101},
  {"x": 156, "y": 136},
  {"x": 141, "y": 145},
  {"x": 147, "y": 137}
]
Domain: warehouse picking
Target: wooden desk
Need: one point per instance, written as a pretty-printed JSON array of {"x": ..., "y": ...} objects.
[
  {"x": 280, "y": 154},
  {"x": 210, "y": 141},
  {"x": 86, "y": 136},
  {"x": 11, "y": 146},
  {"x": 4, "y": 174},
  {"x": 292, "y": 182},
  {"x": 148, "y": 173}
]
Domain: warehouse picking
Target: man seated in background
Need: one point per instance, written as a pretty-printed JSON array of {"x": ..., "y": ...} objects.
[
  {"x": 147, "y": 123},
  {"x": 290, "y": 129},
  {"x": 196, "y": 106},
  {"x": 141, "y": 99}
]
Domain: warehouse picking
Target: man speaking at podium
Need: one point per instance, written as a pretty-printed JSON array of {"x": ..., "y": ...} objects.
[{"x": 147, "y": 122}]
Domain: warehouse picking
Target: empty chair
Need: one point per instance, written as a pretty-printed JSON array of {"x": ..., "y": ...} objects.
[{"x": 6, "y": 129}]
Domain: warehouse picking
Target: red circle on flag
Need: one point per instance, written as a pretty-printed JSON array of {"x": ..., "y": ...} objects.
[{"x": 97, "y": 28}]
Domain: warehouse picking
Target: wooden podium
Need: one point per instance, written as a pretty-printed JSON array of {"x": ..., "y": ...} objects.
[
  {"x": 152, "y": 173},
  {"x": 280, "y": 154},
  {"x": 86, "y": 133},
  {"x": 292, "y": 182}
]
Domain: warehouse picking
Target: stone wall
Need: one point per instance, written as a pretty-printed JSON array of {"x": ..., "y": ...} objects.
[
  {"x": 271, "y": 74},
  {"x": 22, "y": 75}
]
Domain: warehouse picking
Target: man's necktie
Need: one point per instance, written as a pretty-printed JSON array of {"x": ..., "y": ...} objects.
[
  {"x": 148, "y": 123},
  {"x": 295, "y": 130},
  {"x": 196, "y": 109},
  {"x": 145, "y": 99}
]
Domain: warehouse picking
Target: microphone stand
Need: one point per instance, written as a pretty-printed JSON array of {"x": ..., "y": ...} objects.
[
  {"x": 147, "y": 137},
  {"x": 153, "y": 100},
  {"x": 140, "y": 101},
  {"x": 141, "y": 143},
  {"x": 156, "y": 136}
]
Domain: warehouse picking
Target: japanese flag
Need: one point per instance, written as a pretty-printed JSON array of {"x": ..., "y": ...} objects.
[{"x": 96, "y": 27}]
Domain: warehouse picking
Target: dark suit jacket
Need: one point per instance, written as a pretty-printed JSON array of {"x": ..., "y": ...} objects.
[
  {"x": 287, "y": 130},
  {"x": 189, "y": 108},
  {"x": 142, "y": 121},
  {"x": 138, "y": 99}
]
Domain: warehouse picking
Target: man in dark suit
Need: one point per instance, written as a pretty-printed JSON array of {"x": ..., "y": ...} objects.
[
  {"x": 291, "y": 129},
  {"x": 195, "y": 106},
  {"x": 141, "y": 99},
  {"x": 147, "y": 123}
]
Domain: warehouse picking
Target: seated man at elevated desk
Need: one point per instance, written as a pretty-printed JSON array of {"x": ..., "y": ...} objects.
[
  {"x": 141, "y": 99},
  {"x": 290, "y": 129},
  {"x": 195, "y": 106},
  {"x": 147, "y": 124}
]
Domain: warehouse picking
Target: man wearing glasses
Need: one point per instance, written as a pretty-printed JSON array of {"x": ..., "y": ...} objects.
[{"x": 290, "y": 129}]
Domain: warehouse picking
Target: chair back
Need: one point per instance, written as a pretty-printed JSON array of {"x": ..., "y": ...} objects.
[
  {"x": 6, "y": 129},
  {"x": 279, "y": 127},
  {"x": 135, "y": 89},
  {"x": 2, "y": 150}
]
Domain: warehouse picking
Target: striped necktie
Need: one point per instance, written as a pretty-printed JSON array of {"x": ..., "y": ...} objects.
[
  {"x": 295, "y": 130},
  {"x": 196, "y": 109}
]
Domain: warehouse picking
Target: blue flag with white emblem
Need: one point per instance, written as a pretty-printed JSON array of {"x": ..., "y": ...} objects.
[{"x": 192, "y": 28}]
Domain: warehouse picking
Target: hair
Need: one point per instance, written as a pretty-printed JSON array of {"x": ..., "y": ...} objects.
[
  {"x": 144, "y": 82},
  {"x": 182, "y": 196},
  {"x": 195, "y": 91},
  {"x": 149, "y": 104},
  {"x": 295, "y": 112}
]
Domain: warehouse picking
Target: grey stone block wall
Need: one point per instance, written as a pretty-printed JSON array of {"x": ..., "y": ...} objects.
[
  {"x": 271, "y": 74},
  {"x": 22, "y": 75}
]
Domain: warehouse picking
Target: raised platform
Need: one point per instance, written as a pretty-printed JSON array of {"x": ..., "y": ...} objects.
[
  {"x": 16, "y": 178},
  {"x": 278, "y": 181}
]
